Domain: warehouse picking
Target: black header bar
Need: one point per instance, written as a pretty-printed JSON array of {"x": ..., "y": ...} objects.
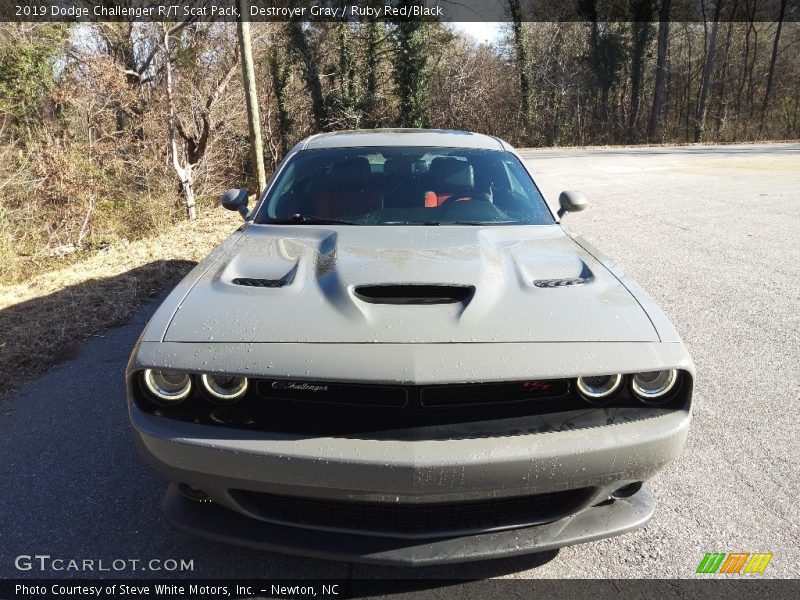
[
  {"x": 385, "y": 10},
  {"x": 739, "y": 587}
]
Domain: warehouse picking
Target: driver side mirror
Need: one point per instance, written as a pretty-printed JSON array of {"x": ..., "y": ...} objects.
[
  {"x": 235, "y": 200},
  {"x": 570, "y": 201}
]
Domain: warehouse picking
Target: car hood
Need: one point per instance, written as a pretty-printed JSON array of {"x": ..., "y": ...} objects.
[{"x": 491, "y": 284}]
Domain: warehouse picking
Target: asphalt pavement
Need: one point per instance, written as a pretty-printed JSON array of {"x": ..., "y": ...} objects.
[{"x": 711, "y": 232}]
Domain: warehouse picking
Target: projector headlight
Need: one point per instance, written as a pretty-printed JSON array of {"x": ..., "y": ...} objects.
[
  {"x": 224, "y": 388},
  {"x": 653, "y": 386},
  {"x": 167, "y": 388},
  {"x": 597, "y": 388}
]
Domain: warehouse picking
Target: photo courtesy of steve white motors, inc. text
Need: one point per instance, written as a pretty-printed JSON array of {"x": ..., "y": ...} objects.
[{"x": 171, "y": 590}]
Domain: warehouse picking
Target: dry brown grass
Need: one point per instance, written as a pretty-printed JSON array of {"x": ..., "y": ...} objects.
[{"x": 44, "y": 319}]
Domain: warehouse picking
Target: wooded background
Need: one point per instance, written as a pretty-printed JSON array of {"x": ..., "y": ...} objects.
[{"x": 108, "y": 130}]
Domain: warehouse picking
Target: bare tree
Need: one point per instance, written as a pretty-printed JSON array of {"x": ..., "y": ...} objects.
[
  {"x": 300, "y": 44},
  {"x": 640, "y": 34},
  {"x": 708, "y": 69},
  {"x": 188, "y": 143},
  {"x": 523, "y": 64},
  {"x": 279, "y": 73},
  {"x": 772, "y": 62},
  {"x": 661, "y": 70}
]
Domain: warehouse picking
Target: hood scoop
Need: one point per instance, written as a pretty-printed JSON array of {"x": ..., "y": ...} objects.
[
  {"x": 414, "y": 293},
  {"x": 586, "y": 276},
  {"x": 266, "y": 283}
]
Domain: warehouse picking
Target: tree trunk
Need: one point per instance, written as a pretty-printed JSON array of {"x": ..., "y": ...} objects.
[
  {"x": 640, "y": 32},
  {"x": 411, "y": 75},
  {"x": 184, "y": 172},
  {"x": 279, "y": 70},
  {"x": 310, "y": 73},
  {"x": 369, "y": 102},
  {"x": 251, "y": 97},
  {"x": 772, "y": 61},
  {"x": 187, "y": 187},
  {"x": 661, "y": 70},
  {"x": 523, "y": 66},
  {"x": 721, "y": 100},
  {"x": 708, "y": 69}
]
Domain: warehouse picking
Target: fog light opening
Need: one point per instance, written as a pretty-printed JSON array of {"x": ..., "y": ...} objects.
[
  {"x": 626, "y": 491},
  {"x": 193, "y": 494}
]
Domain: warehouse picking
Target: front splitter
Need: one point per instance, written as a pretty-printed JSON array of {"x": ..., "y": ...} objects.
[{"x": 221, "y": 524}]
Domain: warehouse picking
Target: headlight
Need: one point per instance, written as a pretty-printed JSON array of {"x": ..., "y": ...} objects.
[
  {"x": 226, "y": 388},
  {"x": 168, "y": 388},
  {"x": 651, "y": 386},
  {"x": 599, "y": 387}
]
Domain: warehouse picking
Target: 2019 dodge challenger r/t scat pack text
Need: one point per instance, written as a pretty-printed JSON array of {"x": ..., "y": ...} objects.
[{"x": 402, "y": 357}]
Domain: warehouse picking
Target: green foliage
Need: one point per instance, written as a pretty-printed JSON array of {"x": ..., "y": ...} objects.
[
  {"x": 369, "y": 101},
  {"x": 27, "y": 73},
  {"x": 523, "y": 60},
  {"x": 607, "y": 54},
  {"x": 280, "y": 70},
  {"x": 411, "y": 73}
]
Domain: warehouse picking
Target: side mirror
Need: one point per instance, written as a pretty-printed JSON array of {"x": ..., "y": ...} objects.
[
  {"x": 235, "y": 200},
  {"x": 570, "y": 201}
]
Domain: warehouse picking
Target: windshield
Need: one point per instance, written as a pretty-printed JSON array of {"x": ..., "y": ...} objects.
[{"x": 404, "y": 186}]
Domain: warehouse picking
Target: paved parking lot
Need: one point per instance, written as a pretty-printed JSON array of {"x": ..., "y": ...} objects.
[{"x": 712, "y": 234}]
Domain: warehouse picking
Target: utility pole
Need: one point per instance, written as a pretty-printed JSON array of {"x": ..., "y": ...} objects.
[{"x": 250, "y": 93}]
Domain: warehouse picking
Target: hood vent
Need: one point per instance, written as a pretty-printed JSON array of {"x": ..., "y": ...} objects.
[
  {"x": 586, "y": 276},
  {"x": 553, "y": 283},
  {"x": 414, "y": 294},
  {"x": 266, "y": 283}
]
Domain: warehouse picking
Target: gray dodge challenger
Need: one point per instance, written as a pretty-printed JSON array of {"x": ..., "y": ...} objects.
[{"x": 403, "y": 357}]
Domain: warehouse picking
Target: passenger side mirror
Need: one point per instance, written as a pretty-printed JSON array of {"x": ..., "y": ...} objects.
[
  {"x": 235, "y": 200},
  {"x": 570, "y": 201}
]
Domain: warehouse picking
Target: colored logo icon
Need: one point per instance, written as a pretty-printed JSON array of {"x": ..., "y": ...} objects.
[{"x": 736, "y": 562}]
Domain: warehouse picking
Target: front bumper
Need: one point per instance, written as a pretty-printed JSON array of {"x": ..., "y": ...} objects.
[{"x": 599, "y": 449}]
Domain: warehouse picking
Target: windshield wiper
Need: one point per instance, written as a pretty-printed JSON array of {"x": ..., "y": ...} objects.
[
  {"x": 310, "y": 220},
  {"x": 476, "y": 223}
]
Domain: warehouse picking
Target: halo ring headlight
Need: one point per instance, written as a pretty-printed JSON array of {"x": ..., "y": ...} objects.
[
  {"x": 167, "y": 387},
  {"x": 224, "y": 388},
  {"x": 599, "y": 387},
  {"x": 651, "y": 386}
]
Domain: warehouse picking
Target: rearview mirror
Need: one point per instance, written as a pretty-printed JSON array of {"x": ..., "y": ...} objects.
[
  {"x": 571, "y": 201},
  {"x": 235, "y": 200}
]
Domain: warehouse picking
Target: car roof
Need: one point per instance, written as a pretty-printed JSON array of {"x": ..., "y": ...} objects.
[{"x": 441, "y": 138}]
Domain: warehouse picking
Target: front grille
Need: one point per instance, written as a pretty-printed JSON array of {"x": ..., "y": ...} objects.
[
  {"x": 413, "y": 520},
  {"x": 346, "y": 394},
  {"x": 396, "y": 411},
  {"x": 413, "y": 396},
  {"x": 312, "y": 407},
  {"x": 474, "y": 394}
]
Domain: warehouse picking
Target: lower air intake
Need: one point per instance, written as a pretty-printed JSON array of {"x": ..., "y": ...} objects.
[{"x": 424, "y": 520}]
